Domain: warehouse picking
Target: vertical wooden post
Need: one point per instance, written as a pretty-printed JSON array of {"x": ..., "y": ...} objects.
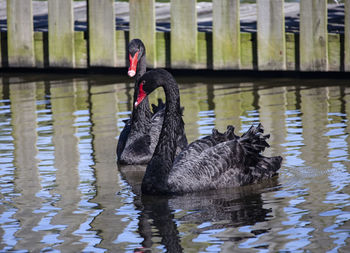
[
  {"x": 334, "y": 52},
  {"x": 271, "y": 36},
  {"x": 143, "y": 26},
  {"x": 347, "y": 37},
  {"x": 226, "y": 34},
  {"x": 162, "y": 50},
  {"x": 313, "y": 35},
  {"x": 248, "y": 51},
  {"x": 121, "y": 38},
  {"x": 204, "y": 49},
  {"x": 183, "y": 38},
  {"x": 292, "y": 59},
  {"x": 1, "y": 46},
  {"x": 80, "y": 49},
  {"x": 39, "y": 52},
  {"x": 102, "y": 45},
  {"x": 20, "y": 39},
  {"x": 61, "y": 34}
]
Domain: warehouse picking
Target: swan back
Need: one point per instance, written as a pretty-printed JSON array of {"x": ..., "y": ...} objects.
[{"x": 230, "y": 163}]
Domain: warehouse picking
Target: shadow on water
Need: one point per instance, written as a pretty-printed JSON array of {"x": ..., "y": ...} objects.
[{"x": 211, "y": 210}]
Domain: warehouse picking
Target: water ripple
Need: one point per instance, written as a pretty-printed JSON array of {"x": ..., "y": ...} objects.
[{"x": 61, "y": 189}]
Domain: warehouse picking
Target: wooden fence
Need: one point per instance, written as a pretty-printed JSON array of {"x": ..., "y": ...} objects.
[{"x": 226, "y": 47}]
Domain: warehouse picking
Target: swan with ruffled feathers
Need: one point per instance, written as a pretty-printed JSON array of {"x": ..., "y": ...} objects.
[{"x": 220, "y": 160}]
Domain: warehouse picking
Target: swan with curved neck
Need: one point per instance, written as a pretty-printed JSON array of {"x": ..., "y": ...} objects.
[
  {"x": 143, "y": 129},
  {"x": 216, "y": 161}
]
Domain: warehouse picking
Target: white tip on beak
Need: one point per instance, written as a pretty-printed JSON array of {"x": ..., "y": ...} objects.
[{"x": 131, "y": 73}]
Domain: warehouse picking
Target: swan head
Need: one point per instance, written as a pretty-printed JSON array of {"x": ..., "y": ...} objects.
[
  {"x": 136, "y": 50},
  {"x": 141, "y": 95},
  {"x": 150, "y": 81},
  {"x": 145, "y": 87}
]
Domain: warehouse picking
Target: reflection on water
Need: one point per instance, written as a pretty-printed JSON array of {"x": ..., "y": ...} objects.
[{"x": 61, "y": 189}]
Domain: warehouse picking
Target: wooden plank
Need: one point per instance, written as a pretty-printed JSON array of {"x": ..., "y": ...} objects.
[
  {"x": 143, "y": 26},
  {"x": 202, "y": 51},
  {"x": 248, "y": 51},
  {"x": 313, "y": 35},
  {"x": 81, "y": 49},
  {"x": 20, "y": 39},
  {"x": 292, "y": 56},
  {"x": 39, "y": 49},
  {"x": 183, "y": 39},
  {"x": 163, "y": 50},
  {"x": 334, "y": 52},
  {"x": 61, "y": 33},
  {"x": 226, "y": 34},
  {"x": 271, "y": 36},
  {"x": 347, "y": 36},
  {"x": 122, "y": 40},
  {"x": 101, "y": 20}
]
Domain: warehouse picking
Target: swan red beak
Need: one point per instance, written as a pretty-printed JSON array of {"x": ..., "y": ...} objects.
[
  {"x": 141, "y": 96},
  {"x": 133, "y": 64}
]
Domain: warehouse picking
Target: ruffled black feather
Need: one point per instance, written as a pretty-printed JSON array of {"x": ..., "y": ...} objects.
[{"x": 219, "y": 160}]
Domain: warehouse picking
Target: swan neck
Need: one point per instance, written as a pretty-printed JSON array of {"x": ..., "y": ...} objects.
[
  {"x": 172, "y": 120},
  {"x": 158, "y": 169},
  {"x": 141, "y": 68}
]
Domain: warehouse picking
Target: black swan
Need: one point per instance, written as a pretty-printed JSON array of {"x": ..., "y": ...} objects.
[
  {"x": 220, "y": 160},
  {"x": 139, "y": 137}
]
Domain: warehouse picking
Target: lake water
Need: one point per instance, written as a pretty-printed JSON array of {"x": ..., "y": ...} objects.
[{"x": 62, "y": 191}]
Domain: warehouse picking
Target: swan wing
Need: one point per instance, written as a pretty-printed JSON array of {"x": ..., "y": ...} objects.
[
  {"x": 159, "y": 107},
  {"x": 227, "y": 164},
  {"x": 198, "y": 146}
]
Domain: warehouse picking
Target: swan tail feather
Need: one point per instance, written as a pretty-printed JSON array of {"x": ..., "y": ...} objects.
[
  {"x": 254, "y": 143},
  {"x": 254, "y": 140},
  {"x": 230, "y": 133}
]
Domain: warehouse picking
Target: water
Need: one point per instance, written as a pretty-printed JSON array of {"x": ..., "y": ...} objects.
[{"x": 61, "y": 190}]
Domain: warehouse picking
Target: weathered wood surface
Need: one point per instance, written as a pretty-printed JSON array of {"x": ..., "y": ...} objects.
[
  {"x": 347, "y": 37},
  {"x": 271, "y": 36},
  {"x": 101, "y": 33},
  {"x": 206, "y": 44},
  {"x": 226, "y": 35},
  {"x": 313, "y": 35},
  {"x": 248, "y": 16},
  {"x": 41, "y": 49},
  {"x": 80, "y": 52},
  {"x": 61, "y": 35},
  {"x": 183, "y": 39},
  {"x": 143, "y": 26},
  {"x": 20, "y": 39}
]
